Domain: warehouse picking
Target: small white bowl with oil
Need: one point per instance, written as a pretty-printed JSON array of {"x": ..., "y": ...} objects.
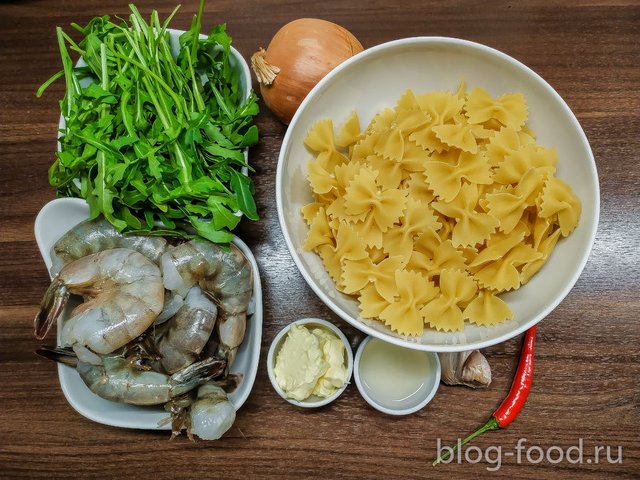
[{"x": 395, "y": 380}]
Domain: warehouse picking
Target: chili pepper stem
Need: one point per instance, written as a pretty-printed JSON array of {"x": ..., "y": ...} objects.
[{"x": 492, "y": 424}]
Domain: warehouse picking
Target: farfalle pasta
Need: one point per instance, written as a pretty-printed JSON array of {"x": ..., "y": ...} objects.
[{"x": 435, "y": 208}]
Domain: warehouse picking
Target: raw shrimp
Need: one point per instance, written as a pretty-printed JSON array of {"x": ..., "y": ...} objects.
[
  {"x": 93, "y": 236},
  {"x": 212, "y": 414},
  {"x": 125, "y": 294},
  {"x": 117, "y": 380},
  {"x": 209, "y": 414},
  {"x": 225, "y": 274},
  {"x": 184, "y": 335}
]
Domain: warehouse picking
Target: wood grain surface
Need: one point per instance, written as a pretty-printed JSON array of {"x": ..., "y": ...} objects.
[{"x": 586, "y": 384}]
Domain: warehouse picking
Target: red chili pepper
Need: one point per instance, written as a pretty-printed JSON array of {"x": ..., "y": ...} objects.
[{"x": 513, "y": 403}]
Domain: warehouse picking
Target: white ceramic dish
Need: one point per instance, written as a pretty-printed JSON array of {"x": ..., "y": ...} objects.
[
  {"x": 375, "y": 79},
  {"x": 55, "y": 219},
  {"x": 313, "y": 401},
  {"x": 405, "y": 406}
]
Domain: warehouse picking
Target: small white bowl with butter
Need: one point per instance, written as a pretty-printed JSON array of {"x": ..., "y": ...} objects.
[{"x": 310, "y": 363}]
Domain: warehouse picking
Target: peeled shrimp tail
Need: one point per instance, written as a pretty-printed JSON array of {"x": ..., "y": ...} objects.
[
  {"x": 195, "y": 374},
  {"x": 231, "y": 382},
  {"x": 230, "y": 330},
  {"x": 52, "y": 304},
  {"x": 179, "y": 417},
  {"x": 59, "y": 354}
]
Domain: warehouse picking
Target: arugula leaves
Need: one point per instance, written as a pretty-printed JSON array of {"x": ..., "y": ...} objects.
[{"x": 152, "y": 142}]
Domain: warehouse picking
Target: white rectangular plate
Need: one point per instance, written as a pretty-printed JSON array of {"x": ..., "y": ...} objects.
[{"x": 54, "y": 220}]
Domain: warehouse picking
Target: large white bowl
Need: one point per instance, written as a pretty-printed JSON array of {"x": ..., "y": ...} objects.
[
  {"x": 375, "y": 79},
  {"x": 54, "y": 220}
]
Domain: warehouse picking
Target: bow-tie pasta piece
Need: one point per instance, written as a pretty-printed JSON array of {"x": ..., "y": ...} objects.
[
  {"x": 458, "y": 135},
  {"x": 427, "y": 139},
  {"x": 376, "y": 254},
  {"x": 389, "y": 171},
  {"x": 487, "y": 309},
  {"x": 372, "y": 304},
  {"x": 509, "y": 205},
  {"x": 357, "y": 274},
  {"x": 544, "y": 249},
  {"x": 472, "y": 227},
  {"x": 505, "y": 142},
  {"x": 363, "y": 195},
  {"x": 419, "y": 188},
  {"x": 348, "y": 245},
  {"x": 320, "y": 136},
  {"x": 390, "y": 145},
  {"x": 403, "y": 314},
  {"x": 446, "y": 179},
  {"x": 445, "y": 256},
  {"x": 320, "y": 232},
  {"x": 321, "y": 180},
  {"x": 510, "y": 110},
  {"x": 498, "y": 245},
  {"x": 382, "y": 122},
  {"x": 337, "y": 211},
  {"x": 503, "y": 275},
  {"x": 363, "y": 147},
  {"x": 516, "y": 165},
  {"x": 414, "y": 158},
  {"x": 442, "y": 107},
  {"x": 409, "y": 115},
  {"x": 418, "y": 218},
  {"x": 443, "y": 312},
  {"x": 310, "y": 211},
  {"x": 558, "y": 198},
  {"x": 424, "y": 249},
  {"x": 350, "y": 131}
]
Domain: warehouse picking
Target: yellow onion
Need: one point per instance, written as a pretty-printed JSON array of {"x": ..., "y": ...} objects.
[{"x": 298, "y": 56}]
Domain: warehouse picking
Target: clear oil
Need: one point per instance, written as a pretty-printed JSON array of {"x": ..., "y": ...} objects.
[{"x": 394, "y": 375}]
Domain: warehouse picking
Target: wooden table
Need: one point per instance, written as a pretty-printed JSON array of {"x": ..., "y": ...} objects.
[{"x": 587, "y": 375}]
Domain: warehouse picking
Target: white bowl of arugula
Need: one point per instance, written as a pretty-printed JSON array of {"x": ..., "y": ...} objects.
[{"x": 155, "y": 126}]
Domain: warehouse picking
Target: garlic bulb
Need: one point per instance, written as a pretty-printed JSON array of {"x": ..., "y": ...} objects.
[{"x": 469, "y": 368}]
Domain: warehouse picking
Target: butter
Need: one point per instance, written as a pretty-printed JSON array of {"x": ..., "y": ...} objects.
[
  {"x": 333, "y": 354},
  {"x": 310, "y": 362}
]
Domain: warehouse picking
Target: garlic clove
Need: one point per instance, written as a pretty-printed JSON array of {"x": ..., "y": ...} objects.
[
  {"x": 469, "y": 368},
  {"x": 476, "y": 370}
]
